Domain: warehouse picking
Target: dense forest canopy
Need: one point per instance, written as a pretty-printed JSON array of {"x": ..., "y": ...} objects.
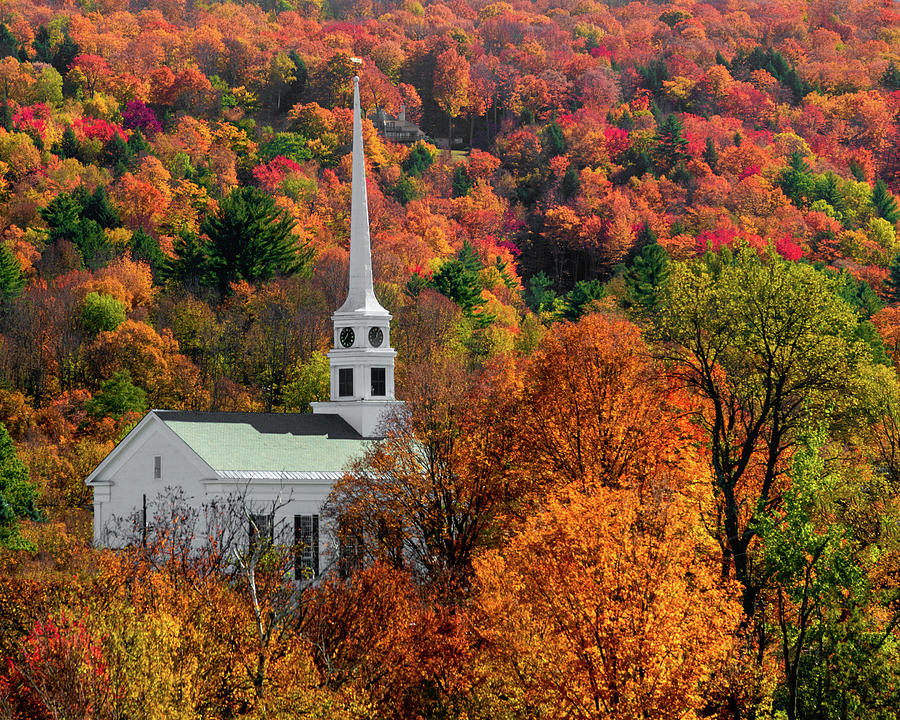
[{"x": 644, "y": 274}]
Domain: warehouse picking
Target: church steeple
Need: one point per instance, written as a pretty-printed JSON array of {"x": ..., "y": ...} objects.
[
  {"x": 362, "y": 359},
  {"x": 361, "y": 294}
]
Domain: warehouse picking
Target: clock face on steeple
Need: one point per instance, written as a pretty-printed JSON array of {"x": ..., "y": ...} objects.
[
  {"x": 347, "y": 337},
  {"x": 376, "y": 336}
]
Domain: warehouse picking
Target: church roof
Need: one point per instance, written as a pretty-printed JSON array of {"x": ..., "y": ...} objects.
[{"x": 267, "y": 442}]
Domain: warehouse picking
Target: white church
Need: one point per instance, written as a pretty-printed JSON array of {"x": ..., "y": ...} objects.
[{"x": 287, "y": 461}]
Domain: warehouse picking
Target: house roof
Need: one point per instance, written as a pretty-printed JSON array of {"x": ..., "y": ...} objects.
[{"x": 267, "y": 442}]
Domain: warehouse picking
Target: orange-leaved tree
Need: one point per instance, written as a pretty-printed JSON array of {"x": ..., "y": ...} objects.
[
  {"x": 607, "y": 605},
  {"x": 595, "y": 411}
]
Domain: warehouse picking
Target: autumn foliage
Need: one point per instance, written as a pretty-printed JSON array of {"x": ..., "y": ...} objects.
[{"x": 644, "y": 274}]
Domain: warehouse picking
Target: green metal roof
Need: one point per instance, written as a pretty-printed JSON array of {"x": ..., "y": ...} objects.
[{"x": 268, "y": 442}]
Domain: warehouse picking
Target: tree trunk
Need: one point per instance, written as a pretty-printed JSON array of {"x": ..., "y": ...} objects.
[{"x": 450, "y": 134}]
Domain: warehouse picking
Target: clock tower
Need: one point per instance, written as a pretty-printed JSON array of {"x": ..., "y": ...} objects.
[{"x": 362, "y": 359}]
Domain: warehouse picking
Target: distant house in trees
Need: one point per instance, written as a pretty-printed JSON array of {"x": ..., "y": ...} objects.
[
  {"x": 280, "y": 463},
  {"x": 397, "y": 128}
]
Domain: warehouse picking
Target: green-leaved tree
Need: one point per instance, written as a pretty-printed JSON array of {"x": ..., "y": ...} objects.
[
  {"x": 117, "y": 396},
  {"x": 765, "y": 344},
  {"x": 101, "y": 313},
  {"x": 18, "y": 496}
]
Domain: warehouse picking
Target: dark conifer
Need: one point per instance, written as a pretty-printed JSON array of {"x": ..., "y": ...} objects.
[
  {"x": 8, "y": 46},
  {"x": 137, "y": 144},
  {"x": 671, "y": 147},
  {"x": 890, "y": 78},
  {"x": 710, "y": 154},
  {"x": 552, "y": 141},
  {"x": 250, "y": 239},
  {"x": 581, "y": 296},
  {"x": 892, "y": 283},
  {"x": 884, "y": 203},
  {"x": 6, "y": 118},
  {"x": 648, "y": 274},
  {"x": 68, "y": 147},
  {"x": 459, "y": 279},
  {"x": 11, "y": 280},
  {"x": 188, "y": 265},
  {"x": 145, "y": 248}
]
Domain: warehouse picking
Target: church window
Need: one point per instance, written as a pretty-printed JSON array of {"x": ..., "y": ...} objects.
[
  {"x": 379, "y": 382},
  {"x": 262, "y": 532},
  {"x": 350, "y": 551},
  {"x": 306, "y": 541},
  {"x": 345, "y": 382},
  {"x": 157, "y": 467}
]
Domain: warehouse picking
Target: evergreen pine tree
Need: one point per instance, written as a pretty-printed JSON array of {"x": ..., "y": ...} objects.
[
  {"x": 462, "y": 181},
  {"x": 540, "y": 295},
  {"x": 710, "y": 154},
  {"x": 670, "y": 148},
  {"x": 892, "y": 283},
  {"x": 250, "y": 239},
  {"x": 827, "y": 188},
  {"x": 189, "y": 264},
  {"x": 8, "y": 47},
  {"x": 115, "y": 152},
  {"x": 65, "y": 54},
  {"x": 858, "y": 294},
  {"x": 891, "y": 77},
  {"x": 145, "y": 248},
  {"x": 459, "y": 279},
  {"x": 43, "y": 50},
  {"x": 415, "y": 285},
  {"x": 137, "y": 144},
  {"x": 404, "y": 190},
  {"x": 857, "y": 171},
  {"x": 63, "y": 215},
  {"x": 648, "y": 274},
  {"x": 80, "y": 218},
  {"x": 11, "y": 280},
  {"x": 884, "y": 203},
  {"x": 681, "y": 175},
  {"x": 645, "y": 236},
  {"x": 553, "y": 142},
  {"x": 91, "y": 241},
  {"x": 581, "y": 296},
  {"x": 469, "y": 258},
  {"x": 36, "y": 139},
  {"x": 294, "y": 91},
  {"x": 97, "y": 207},
  {"x": 6, "y": 118},
  {"x": 571, "y": 182},
  {"x": 796, "y": 180},
  {"x": 654, "y": 74},
  {"x": 418, "y": 160},
  {"x": 68, "y": 147}
]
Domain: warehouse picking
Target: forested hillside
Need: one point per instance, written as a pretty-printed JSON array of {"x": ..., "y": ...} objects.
[{"x": 644, "y": 273}]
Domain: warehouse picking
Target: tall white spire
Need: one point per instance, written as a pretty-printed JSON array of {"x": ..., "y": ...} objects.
[
  {"x": 362, "y": 359},
  {"x": 361, "y": 294}
]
